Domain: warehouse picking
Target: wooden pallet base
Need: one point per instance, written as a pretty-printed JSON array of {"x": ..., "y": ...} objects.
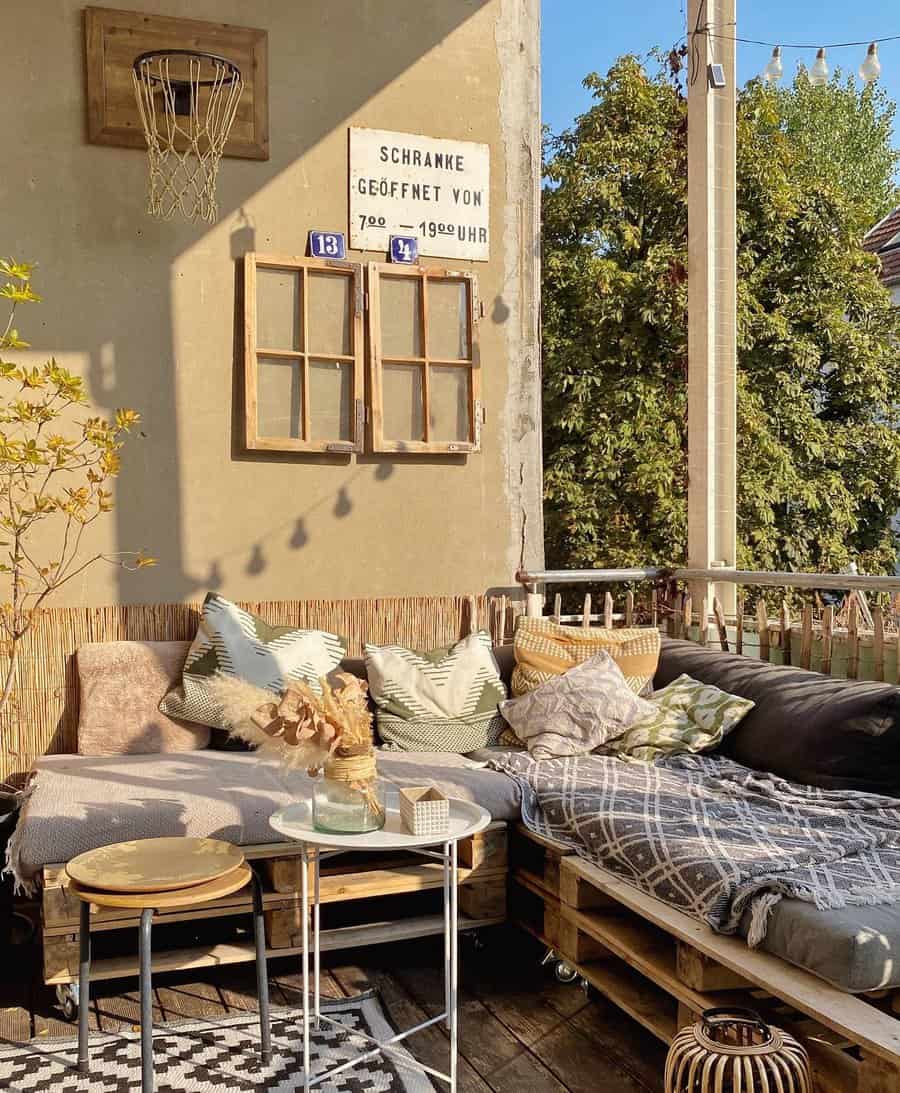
[
  {"x": 663, "y": 968},
  {"x": 365, "y": 901}
]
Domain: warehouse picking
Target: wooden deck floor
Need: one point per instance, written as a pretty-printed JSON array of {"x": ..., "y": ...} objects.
[{"x": 520, "y": 1030}]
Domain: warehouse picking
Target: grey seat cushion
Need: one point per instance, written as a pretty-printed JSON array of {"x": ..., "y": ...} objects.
[
  {"x": 79, "y": 802},
  {"x": 854, "y": 948},
  {"x": 806, "y": 727}
]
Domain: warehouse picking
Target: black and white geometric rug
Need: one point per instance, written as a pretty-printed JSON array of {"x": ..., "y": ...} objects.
[{"x": 220, "y": 1056}]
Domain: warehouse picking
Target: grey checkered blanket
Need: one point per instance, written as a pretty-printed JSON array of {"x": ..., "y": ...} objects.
[{"x": 713, "y": 838}]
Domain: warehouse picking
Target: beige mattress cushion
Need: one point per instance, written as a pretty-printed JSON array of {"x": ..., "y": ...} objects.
[
  {"x": 120, "y": 686},
  {"x": 76, "y": 803}
]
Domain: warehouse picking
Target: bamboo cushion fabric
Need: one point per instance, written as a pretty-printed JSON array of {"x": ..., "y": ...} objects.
[
  {"x": 236, "y": 643},
  {"x": 442, "y": 700},
  {"x": 575, "y": 713},
  {"x": 545, "y": 649},
  {"x": 119, "y": 687},
  {"x": 685, "y": 716}
]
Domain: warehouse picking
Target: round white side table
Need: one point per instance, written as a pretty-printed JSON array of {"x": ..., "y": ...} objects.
[{"x": 295, "y": 822}]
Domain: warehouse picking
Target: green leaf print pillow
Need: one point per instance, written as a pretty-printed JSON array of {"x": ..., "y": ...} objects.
[{"x": 688, "y": 716}]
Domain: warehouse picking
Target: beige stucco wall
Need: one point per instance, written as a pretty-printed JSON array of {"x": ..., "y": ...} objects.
[{"x": 146, "y": 310}]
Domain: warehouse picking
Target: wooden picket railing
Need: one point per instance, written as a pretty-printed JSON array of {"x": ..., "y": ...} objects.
[{"x": 852, "y": 638}]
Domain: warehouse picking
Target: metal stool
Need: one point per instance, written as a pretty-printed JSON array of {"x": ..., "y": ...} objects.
[{"x": 148, "y": 903}]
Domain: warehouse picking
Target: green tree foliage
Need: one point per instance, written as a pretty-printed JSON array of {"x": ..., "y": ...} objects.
[{"x": 819, "y": 382}]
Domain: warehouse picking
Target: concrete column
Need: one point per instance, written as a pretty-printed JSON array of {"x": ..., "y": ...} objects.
[{"x": 712, "y": 276}]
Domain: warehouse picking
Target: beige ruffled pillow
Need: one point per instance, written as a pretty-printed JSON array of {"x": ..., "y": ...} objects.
[{"x": 574, "y": 713}]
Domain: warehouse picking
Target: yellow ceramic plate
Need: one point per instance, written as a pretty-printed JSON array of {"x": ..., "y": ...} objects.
[{"x": 154, "y": 865}]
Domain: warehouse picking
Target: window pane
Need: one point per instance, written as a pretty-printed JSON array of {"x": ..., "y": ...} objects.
[
  {"x": 401, "y": 308},
  {"x": 448, "y": 395},
  {"x": 404, "y": 414},
  {"x": 331, "y": 400},
  {"x": 278, "y": 323},
  {"x": 279, "y": 390},
  {"x": 328, "y": 313},
  {"x": 448, "y": 313}
]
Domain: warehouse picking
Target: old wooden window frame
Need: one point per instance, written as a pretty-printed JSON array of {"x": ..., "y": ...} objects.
[
  {"x": 253, "y": 351},
  {"x": 377, "y": 360}
]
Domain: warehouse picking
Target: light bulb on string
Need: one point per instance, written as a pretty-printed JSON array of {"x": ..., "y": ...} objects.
[
  {"x": 870, "y": 69},
  {"x": 774, "y": 70},
  {"x": 819, "y": 73}
]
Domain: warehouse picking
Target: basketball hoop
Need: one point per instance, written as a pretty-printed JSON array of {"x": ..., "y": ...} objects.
[{"x": 187, "y": 102}]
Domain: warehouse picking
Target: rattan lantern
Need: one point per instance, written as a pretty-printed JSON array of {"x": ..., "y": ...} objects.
[{"x": 733, "y": 1049}]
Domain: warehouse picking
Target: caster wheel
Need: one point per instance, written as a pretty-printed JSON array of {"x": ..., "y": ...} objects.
[
  {"x": 67, "y": 996},
  {"x": 564, "y": 972},
  {"x": 478, "y": 943},
  {"x": 585, "y": 987}
]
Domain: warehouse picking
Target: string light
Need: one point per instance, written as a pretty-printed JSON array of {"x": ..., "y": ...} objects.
[{"x": 819, "y": 73}]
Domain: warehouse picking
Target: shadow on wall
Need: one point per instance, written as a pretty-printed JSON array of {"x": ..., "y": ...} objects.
[{"x": 325, "y": 62}]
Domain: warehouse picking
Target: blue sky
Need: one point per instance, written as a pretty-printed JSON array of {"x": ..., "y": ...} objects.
[{"x": 580, "y": 36}]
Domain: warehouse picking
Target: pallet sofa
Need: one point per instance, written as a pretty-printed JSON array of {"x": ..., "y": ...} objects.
[
  {"x": 230, "y": 794},
  {"x": 832, "y": 978}
]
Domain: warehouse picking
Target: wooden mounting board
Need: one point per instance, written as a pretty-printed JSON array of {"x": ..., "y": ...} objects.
[{"x": 114, "y": 38}]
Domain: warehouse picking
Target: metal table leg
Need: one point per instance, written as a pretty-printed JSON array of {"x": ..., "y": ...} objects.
[
  {"x": 304, "y": 911},
  {"x": 262, "y": 974},
  {"x": 454, "y": 963},
  {"x": 446, "y": 849},
  {"x": 146, "y": 966},
  {"x": 316, "y": 947},
  {"x": 84, "y": 985}
]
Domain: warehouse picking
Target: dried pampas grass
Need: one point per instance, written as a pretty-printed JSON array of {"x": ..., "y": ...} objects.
[{"x": 301, "y": 728}]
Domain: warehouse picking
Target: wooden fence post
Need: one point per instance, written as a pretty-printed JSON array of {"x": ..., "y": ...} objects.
[
  {"x": 687, "y": 614},
  {"x": 853, "y": 638},
  {"x": 878, "y": 642},
  {"x": 739, "y": 626},
  {"x": 586, "y": 612},
  {"x": 806, "y": 637},
  {"x": 608, "y": 610},
  {"x": 557, "y": 607},
  {"x": 762, "y": 627},
  {"x": 629, "y": 608},
  {"x": 827, "y": 638},
  {"x": 719, "y": 616},
  {"x": 785, "y": 633},
  {"x": 703, "y": 632}
]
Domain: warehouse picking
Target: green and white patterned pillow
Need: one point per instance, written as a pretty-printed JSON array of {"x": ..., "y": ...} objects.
[
  {"x": 234, "y": 642},
  {"x": 688, "y": 716},
  {"x": 442, "y": 700}
]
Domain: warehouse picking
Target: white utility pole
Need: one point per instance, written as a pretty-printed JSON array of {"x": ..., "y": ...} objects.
[{"x": 712, "y": 277}]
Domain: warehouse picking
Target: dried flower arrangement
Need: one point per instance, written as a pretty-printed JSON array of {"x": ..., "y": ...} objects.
[{"x": 330, "y": 732}]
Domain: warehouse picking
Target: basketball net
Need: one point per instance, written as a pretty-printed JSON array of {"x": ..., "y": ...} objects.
[{"x": 184, "y": 146}]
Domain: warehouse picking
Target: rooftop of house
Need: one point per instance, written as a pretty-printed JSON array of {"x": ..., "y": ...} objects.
[{"x": 884, "y": 240}]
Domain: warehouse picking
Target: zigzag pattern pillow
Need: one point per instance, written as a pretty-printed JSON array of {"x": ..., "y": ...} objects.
[
  {"x": 442, "y": 700},
  {"x": 545, "y": 649},
  {"x": 236, "y": 643}
]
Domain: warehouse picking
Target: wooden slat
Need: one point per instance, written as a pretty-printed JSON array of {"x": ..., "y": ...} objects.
[
  {"x": 586, "y": 611},
  {"x": 211, "y": 956},
  {"x": 608, "y": 610},
  {"x": 878, "y": 642},
  {"x": 687, "y": 614},
  {"x": 739, "y": 626},
  {"x": 629, "y": 608},
  {"x": 853, "y": 638},
  {"x": 785, "y": 626},
  {"x": 703, "y": 622},
  {"x": 762, "y": 627},
  {"x": 557, "y": 607},
  {"x": 827, "y": 638},
  {"x": 806, "y": 636},
  {"x": 719, "y": 616}
]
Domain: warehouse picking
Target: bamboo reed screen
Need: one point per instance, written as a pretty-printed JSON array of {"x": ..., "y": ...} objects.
[{"x": 44, "y": 715}]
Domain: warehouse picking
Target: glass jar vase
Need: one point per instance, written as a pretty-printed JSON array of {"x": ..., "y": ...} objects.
[{"x": 349, "y": 798}]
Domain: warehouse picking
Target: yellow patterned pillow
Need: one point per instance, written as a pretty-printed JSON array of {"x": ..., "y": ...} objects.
[{"x": 544, "y": 649}]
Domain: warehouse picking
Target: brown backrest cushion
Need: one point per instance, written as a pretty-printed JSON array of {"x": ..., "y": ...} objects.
[
  {"x": 121, "y": 684},
  {"x": 810, "y": 728}
]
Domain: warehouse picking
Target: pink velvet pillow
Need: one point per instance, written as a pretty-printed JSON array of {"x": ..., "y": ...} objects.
[{"x": 121, "y": 684}]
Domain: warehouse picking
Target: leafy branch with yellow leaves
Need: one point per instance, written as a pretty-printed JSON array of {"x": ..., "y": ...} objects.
[{"x": 55, "y": 470}]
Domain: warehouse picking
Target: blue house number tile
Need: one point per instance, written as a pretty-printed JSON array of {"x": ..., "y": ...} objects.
[
  {"x": 327, "y": 245},
  {"x": 404, "y": 248}
]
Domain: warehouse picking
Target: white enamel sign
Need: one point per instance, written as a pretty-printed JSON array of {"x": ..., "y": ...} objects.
[{"x": 406, "y": 184}]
